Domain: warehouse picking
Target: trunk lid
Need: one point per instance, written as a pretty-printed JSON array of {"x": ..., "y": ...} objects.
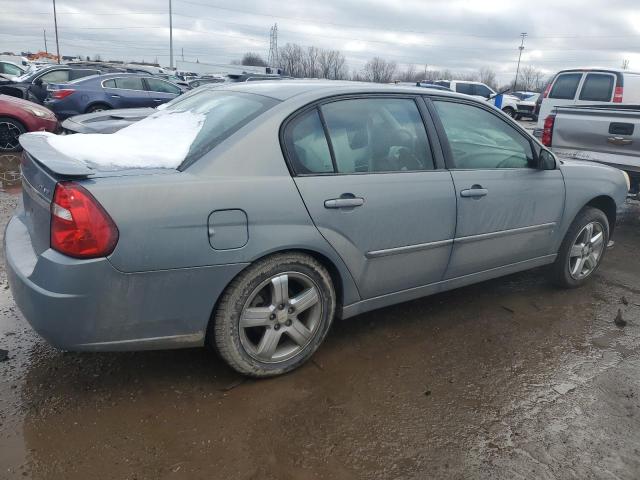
[{"x": 42, "y": 167}]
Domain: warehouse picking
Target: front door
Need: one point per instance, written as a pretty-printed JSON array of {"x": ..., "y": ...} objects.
[
  {"x": 160, "y": 91},
  {"x": 508, "y": 209},
  {"x": 373, "y": 191}
]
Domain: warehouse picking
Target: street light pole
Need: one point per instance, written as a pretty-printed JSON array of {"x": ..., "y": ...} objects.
[
  {"x": 170, "y": 36},
  {"x": 521, "y": 48},
  {"x": 44, "y": 32},
  {"x": 55, "y": 22}
]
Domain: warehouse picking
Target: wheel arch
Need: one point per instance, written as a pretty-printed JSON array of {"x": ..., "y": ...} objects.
[
  {"x": 97, "y": 102},
  {"x": 608, "y": 206}
]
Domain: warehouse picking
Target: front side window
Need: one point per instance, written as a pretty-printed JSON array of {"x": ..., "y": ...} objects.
[
  {"x": 156, "y": 85},
  {"x": 307, "y": 145},
  {"x": 482, "y": 91},
  {"x": 597, "y": 87},
  {"x": 129, "y": 83},
  {"x": 480, "y": 140},
  {"x": 465, "y": 88},
  {"x": 11, "y": 69},
  {"x": 56, "y": 76},
  {"x": 565, "y": 86},
  {"x": 377, "y": 135}
]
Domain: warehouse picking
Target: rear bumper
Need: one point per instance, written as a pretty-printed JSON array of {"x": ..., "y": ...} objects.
[{"x": 89, "y": 305}]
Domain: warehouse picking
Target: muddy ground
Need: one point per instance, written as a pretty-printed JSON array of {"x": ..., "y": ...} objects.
[{"x": 507, "y": 379}]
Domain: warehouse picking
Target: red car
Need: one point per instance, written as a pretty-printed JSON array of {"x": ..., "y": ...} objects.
[{"x": 18, "y": 116}]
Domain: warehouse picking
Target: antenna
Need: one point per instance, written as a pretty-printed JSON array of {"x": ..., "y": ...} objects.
[{"x": 272, "y": 59}]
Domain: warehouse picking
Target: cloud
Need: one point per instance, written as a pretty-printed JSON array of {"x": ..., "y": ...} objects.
[{"x": 460, "y": 35}]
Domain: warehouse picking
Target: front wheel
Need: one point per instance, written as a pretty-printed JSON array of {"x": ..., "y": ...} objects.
[
  {"x": 10, "y": 131},
  {"x": 509, "y": 111},
  {"x": 582, "y": 249},
  {"x": 274, "y": 315}
]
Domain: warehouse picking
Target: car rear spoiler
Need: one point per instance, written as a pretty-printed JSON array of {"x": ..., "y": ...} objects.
[{"x": 51, "y": 159}]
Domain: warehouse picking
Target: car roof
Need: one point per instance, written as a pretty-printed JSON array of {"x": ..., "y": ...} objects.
[
  {"x": 285, "y": 89},
  {"x": 599, "y": 69}
]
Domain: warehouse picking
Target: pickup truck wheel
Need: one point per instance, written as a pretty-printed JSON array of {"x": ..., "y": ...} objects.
[
  {"x": 10, "y": 130},
  {"x": 274, "y": 315},
  {"x": 509, "y": 111},
  {"x": 582, "y": 249}
]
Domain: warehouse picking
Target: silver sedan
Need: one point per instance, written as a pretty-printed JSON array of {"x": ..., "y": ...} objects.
[{"x": 293, "y": 203}]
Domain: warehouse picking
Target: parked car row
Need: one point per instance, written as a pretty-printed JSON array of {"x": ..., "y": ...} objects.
[{"x": 505, "y": 102}]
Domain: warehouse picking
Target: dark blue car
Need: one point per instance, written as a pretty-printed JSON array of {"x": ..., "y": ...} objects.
[{"x": 104, "y": 92}]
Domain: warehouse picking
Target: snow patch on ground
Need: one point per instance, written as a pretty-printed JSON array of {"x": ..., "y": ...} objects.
[{"x": 161, "y": 140}]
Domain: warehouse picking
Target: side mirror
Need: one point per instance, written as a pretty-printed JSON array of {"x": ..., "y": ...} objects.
[
  {"x": 546, "y": 160},
  {"x": 38, "y": 82}
]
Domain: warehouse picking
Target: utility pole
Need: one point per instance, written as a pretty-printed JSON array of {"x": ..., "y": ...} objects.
[
  {"x": 183, "y": 54},
  {"x": 170, "y": 36},
  {"x": 521, "y": 48},
  {"x": 44, "y": 32},
  {"x": 55, "y": 22},
  {"x": 272, "y": 59}
]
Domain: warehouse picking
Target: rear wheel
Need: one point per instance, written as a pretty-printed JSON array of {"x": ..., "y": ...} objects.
[
  {"x": 98, "y": 107},
  {"x": 274, "y": 315},
  {"x": 582, "y": 249},
  {"x": 10, "y": 130}
]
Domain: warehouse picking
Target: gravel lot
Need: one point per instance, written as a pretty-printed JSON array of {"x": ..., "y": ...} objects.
[{"x": 504, "y": 380}]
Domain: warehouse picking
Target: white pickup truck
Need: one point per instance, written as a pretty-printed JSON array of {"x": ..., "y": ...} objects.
[{"x": 608, "y": 134}]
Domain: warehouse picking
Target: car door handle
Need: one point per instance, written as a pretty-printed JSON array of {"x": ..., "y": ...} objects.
[
  {"x": 345, "y": 202},
  {"x": 619, "y": 141},
  {"x": 115, "y": 96},
  {"x": 157, "y": 99},
  {"x": 476, "y": 191}
]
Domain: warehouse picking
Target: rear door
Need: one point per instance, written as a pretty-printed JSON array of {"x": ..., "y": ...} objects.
[
  {"x": 564, "y": 91},
  {"x": 367, "y": 174},
  {"x": 508, "y": 210},
  {"x": 161, "y": 91},
  {"x": 126, "y": 92}
]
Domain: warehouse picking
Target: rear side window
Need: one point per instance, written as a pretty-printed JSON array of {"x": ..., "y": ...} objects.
[
  {"x": 465, "y": 88},
  {"x": 129, "y": 83},
  {"x": 75, "y": 74},
  {"x": 597, "y": 87},
  {"x": 307, "y": 145},
  {"x": 443, "y": 83},
  {"x": 565, "y": 86},
  {"x": 156, "y": 85},
  {"x": 377, "y": 135}
]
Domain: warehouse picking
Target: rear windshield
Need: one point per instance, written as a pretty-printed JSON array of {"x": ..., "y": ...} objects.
[
  {"x": 565, "y": 86},
  {"x": 597, "y": 87},
  {"x": 224, "y": 113}
]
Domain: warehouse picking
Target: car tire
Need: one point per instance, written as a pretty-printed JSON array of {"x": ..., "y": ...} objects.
[
  {"x": 97, "y": 107},
  {"x": 274, "y": 315},
  {"x": 10, "y": 130},
  {"x": 580, "y": 254},
  {"x": 517, "y": 116},
  {"x": 509, "y": 111}
]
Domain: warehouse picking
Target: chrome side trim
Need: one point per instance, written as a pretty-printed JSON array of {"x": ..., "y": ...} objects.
[
  {"x": 175, "y": 341},
  {"x": 501, "y": 233},
  {"x": 408, "y": 248}
]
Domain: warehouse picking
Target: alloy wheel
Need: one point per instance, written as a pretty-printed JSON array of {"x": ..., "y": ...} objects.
[
  {"x": 9, "y": 134},
  {"x": 586, "y": 251},
  {"x": 281, "y": 317}
]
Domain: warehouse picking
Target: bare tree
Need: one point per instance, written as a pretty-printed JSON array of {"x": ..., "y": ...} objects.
[
  {"x": 379, "y": 70},
  {"x": 253, "y": 59},
  {"x": 332, "y": 64},
  {"x": 488, "y": 77},
  {"x": 530, "y": 78},
  {"x": 291, "y": 56}
]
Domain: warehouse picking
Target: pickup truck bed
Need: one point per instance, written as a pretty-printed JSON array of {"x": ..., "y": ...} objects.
[{"x": 606, "y": 134}]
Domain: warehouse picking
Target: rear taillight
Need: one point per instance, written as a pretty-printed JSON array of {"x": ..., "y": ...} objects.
[
  {"x": 617, "y": 95},
  {"x": 547, "y": 90},
  {"x": 80, "y": 227},
  {"x": 60, "y": 94},
  {"x": 547, "y": 132}
]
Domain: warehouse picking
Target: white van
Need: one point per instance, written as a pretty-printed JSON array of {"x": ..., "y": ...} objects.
[
  {"x": 482, "y": 92},
  {"x": 589, "y": 86}
]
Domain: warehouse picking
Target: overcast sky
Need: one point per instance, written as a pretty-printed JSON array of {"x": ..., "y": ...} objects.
[{"x": 461, "y": 35}]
